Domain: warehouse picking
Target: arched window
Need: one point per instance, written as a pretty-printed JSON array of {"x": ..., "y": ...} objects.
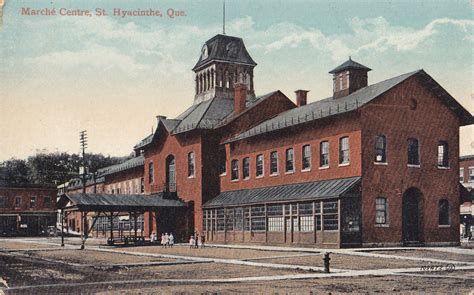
[
  {"x": 259, "y": 166},
  {"x": 170, "y": 174},
  {"x": 151, "y": 173},
  {"x": 380, "y": 149},
  {"x": 443, "y": 212},
  {"x": 191, "y": 164}
]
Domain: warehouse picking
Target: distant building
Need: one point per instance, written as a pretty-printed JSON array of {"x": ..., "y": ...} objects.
[
  {"x": 466, "y": 178},
  {"x": 27, "y": 210}
]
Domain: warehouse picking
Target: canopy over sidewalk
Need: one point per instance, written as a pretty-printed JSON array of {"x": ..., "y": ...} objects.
[{"x": 116, "y": 203}]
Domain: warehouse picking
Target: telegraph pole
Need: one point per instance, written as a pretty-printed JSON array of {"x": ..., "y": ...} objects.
[{"x": 83, "y": 143}]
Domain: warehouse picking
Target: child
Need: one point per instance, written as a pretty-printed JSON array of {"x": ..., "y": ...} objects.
[
  {"x": 167, "y": 240},
  {"x": 191, "y": 242}
]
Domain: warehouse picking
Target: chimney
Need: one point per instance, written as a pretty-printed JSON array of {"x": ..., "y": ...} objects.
[
  {"x": 240, "y": 97},
  {"x": 301, "y": 97}
]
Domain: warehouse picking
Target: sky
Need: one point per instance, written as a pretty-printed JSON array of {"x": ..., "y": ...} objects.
[{"x": 113, "y": 75}]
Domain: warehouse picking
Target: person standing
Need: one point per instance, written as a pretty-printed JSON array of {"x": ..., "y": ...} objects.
[
  {"x": 196, "y": 239},
  {"x": 171, "y": 240},
  {"x": 191, "y": 242},
  {"x": 167, "y": 240},
  {"x": 163, "y": 240}
]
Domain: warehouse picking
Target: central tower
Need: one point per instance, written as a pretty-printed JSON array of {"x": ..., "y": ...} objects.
[{"x": 224, "y": 61}]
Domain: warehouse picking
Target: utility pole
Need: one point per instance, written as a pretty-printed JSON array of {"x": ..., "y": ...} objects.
[{"x": 83, "y": 142}]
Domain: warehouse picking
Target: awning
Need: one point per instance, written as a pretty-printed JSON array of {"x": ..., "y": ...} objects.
[
  {"x": 323, "y": 189},
  {"x": 117, "y": 203}
]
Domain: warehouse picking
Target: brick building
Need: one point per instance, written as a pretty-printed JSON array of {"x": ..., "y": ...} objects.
[
  {"x": 466, "y": 178},
  {"x": 370, "y": 165},
  {"x": 27, "y": 209},
  {"x": 123, "y": 178}
]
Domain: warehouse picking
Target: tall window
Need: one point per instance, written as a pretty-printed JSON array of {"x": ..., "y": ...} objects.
[
  {"x": 151, "y": 173},
  {"x": 274, "y": 163},
  {"x": 259, "y": 166},
  {"x": 290, "y": 163},
  {"x": 381, "y": 210},
  {"x": 324, "y": 154},
  {"x": 234, "y": 169},
  {"x": 306, "y": 157},
  {"x": 246, "y": 168},
  {"x": 443, "y": 207},
  {"x": 461, "y": 174},
  {"x": 3, "y": 202},
  {"x": 191, "y": 164},
  {"x": 222, "y": 161},
  {"x": 18, "y": 202},
  {"x": 471, "y": 174},
  {"x": 380, "y": 149},
  {"x": 142, "y": 185},
  {"x": 344, "y": 150},
  {"x": 413, "y": 152},
  {"x": 33, "y": 202},
  {"x": 47, "y": 202},
  {"x": 443, "y": 158}
]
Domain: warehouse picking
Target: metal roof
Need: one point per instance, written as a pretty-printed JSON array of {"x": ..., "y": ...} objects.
[
  {"x": 349, "y": 64},
  {"x": 225, "y": 49},
  {"x": 285, "y": 193},
  {"x": 129, "y": 164},
  {"x": 466, "y": 157},
  {"x": 333, "y": 106},
  {"x": 96, "y": 202}
]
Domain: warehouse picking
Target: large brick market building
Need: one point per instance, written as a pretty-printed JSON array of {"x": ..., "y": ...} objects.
[{"x": 370, "y": 165}]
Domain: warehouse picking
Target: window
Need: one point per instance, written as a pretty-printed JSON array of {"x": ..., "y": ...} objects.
[
  {"x": 290, "y": 163},
  {"x": 246, "y": 168},
  {"x": 3, "y": 202},
  {"x": 344, "y": 150},
  {"x": 381, "y": 210},
  {"x": 191, "y": 164},
  {"x": 330, "y": 215},
  {"x": 443, "y": 207},
  {"x": 443, "y": 158},
  {"x": 235, "y": 169},
  {"x": 142, "y": 185},
  {"x": 275, "y": 224},
  {"x": 151, "y": 173},
  {"x": 380, "y": 149},
  {"x": 306, "y": 223},
  {"x": 324, "y": 154},
  {"x": 33, "y": 202},
  {"x": 413, "y": 152},
  {"x": 18, "y": 202},
  {"x": 306, "y": 157},
  {"x": 258, "y": 218},
  {"x": 222, "y": 161},
  {"x": 274, "y": 163},
  {"x": 47, "y": 202},
  {"x": 471, "y": 174},
  {"x": 461, "y": 174},
  {"x": 259, "y": 166}
]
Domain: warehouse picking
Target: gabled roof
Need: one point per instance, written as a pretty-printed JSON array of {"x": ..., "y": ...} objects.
[
  {"x": 323, "y": 189},
  {"x": 349, "y": 64},
  {"x": 329, "y": 106},
  {"x": 225, "y": 49}
]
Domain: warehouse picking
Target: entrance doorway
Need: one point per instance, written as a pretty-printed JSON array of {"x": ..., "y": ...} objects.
[{"x": 411, "y": 231}]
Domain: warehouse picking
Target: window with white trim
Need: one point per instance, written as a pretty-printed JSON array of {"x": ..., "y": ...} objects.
[
  {"x": 380, "y": 149},
  {"x": 471, "y": 174},
  {"x": 246, "y": 168},
  {"x": 191, "y": 164},
  {"x": 306, "y": 157},
  {"x": 461, "y": 174},
  {"x": 274, "y": 163},
  {"x": 151, "y": 173},
  {"x": 290, "y": 163},
  {"x": 259, "y": 166},
  {"x": 381, "y": 211},
  {"x": 344, "y": 150},
  {"x": 324, "y": 154},
  {"x": 443, "y": 156},
  {"x": 234, "y": 169}
]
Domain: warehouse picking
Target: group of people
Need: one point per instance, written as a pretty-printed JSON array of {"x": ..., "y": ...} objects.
[
  {"x": 167, "y": 240},
  {"x": 196, "y": 241}
]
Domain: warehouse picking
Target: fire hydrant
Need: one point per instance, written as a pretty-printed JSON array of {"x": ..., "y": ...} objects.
[{"x": 326, "y": 262}]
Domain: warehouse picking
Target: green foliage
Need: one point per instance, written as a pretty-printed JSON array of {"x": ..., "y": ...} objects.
[{"x": 51, "y": 168}]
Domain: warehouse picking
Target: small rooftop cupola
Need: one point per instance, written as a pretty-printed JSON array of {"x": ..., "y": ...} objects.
[
  {"x": 349, "y": 77},
  {"x": 223, "y": 63}
]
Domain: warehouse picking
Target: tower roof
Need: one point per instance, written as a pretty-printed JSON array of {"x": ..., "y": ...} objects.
[
  {"x": 224, "y": 48},
  {"x": 349, "y": 64}
]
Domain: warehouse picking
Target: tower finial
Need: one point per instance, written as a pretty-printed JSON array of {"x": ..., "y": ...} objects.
[{"x": 223, "y": 18}]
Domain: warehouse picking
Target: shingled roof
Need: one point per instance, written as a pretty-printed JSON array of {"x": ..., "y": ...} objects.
[
  {"x": 349, "y": 64},
  {"x": 225, "y": 49},
  {"x": 329, "y": 106}
]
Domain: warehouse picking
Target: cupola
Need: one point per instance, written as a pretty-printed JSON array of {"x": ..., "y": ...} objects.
[{"x": 349, "y": 77}]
